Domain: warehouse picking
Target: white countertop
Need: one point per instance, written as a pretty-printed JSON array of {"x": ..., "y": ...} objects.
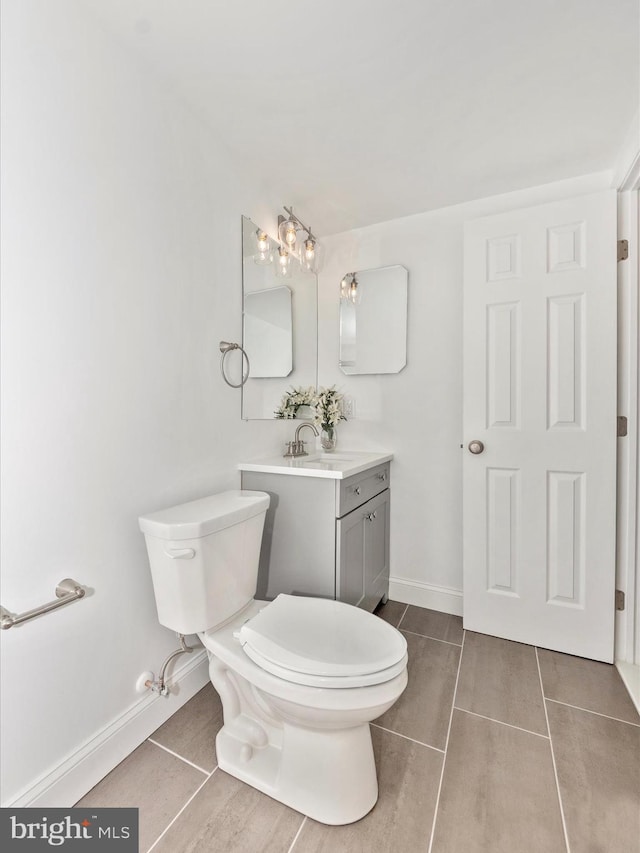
[{"x": 333, "y": 466}]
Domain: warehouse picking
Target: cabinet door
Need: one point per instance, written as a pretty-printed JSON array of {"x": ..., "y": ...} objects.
[
  {"x": 362, "y": 558},
  {"x": 350, "y": 556},
  {"x": 376, "y": 550}
]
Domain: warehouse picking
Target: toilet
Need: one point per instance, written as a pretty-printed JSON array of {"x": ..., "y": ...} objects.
[{"x": 299, "y": 678}]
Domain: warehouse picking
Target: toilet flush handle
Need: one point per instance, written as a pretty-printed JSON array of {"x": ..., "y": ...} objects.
[{"x": 180, "y": 553}]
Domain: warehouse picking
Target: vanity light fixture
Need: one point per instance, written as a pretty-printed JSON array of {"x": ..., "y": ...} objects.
[
  {"x": 288, "y": 228},
  {"x": 349, "y": 291}
]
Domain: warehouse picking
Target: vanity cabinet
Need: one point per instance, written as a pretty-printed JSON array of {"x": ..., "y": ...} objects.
[{"x": 325, "y": 537}]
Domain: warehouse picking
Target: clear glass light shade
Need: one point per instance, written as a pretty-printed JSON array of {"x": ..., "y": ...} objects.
[
  {"x": 288, "y": 233},
  {"x": 283, "y": 263},
  {"x": 264, "y": 253},
  {"x": 263, "y": 259},
  {"x": 349, "y": 291},
  {"x": 262, "y": 240},
  {"x": 311, "y": 255}
]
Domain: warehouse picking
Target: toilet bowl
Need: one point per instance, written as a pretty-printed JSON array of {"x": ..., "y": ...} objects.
[{"x": 299, "y": 678}]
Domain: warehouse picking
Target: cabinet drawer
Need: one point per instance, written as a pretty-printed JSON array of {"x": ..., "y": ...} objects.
[{"x": 356, "y": 490}]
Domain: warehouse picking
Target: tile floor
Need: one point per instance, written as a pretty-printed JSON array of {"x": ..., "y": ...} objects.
[{"x": 494, "y": 747}]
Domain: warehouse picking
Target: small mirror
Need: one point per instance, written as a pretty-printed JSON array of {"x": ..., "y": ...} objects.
[
  {"x": 373, "y": 320},
  {"x": 280, "y": 325}
]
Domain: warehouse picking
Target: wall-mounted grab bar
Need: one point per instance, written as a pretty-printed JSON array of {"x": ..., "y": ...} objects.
[{"x": 67, "y": 591}]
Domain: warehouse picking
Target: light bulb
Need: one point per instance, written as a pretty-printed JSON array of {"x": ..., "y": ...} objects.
[
  {"x": 290, "y": 233},
  {"x": 262, "y": 240},
  {"x": 282, "y": 267},
  {"x": 309, "y": 249}
]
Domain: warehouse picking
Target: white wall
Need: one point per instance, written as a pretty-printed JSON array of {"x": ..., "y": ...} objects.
[
  {"x": 418, "y": 412},
  {"x": 121, "y": 272}
]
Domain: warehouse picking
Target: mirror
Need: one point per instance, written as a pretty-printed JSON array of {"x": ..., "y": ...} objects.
[
  {"x": 268, "y": 333},
  {"x": 280, "y": 326},
  {"x": 373, "y": 320}
]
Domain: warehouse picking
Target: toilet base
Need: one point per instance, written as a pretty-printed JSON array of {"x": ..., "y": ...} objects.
[{"x": 328, "y": 775}]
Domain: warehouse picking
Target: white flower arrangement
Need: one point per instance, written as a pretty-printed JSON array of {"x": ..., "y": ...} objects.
[
  {"x": 293, "y": 400},
  {"x": 327, "y": 407},
  {"x": 326, "y": 404}
]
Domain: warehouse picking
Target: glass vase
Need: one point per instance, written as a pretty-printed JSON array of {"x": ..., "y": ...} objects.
[{"x": 328, "y": 439}]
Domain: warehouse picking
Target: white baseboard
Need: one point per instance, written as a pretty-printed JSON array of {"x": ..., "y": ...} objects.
[
  {"x": 84, "y": 768},
  {"x": 441, "y": 598},
  {"x": 630, "y": 674}
]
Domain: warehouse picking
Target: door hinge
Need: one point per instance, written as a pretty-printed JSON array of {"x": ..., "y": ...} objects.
[
  {"x": 622, "y": 426},
  {"x": 619, "y": 599},
  {"x": 623, "y": 250}
]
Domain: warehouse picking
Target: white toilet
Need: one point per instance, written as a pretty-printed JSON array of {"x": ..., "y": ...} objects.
[{"x": 299, "y": 678}]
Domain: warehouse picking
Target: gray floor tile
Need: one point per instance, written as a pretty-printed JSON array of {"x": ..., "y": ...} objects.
[
  {"x": 586, "y": 684},
  {"x": 155, "y": 782},
  {"x": 401, "y": 820},
  {"x": 423, "y": 710},
  {"x": 228, "y": 816},
  {"x": 391, "y": 612},
  {"x": 431, "y": 623},
  {"x": 191, "y": 731},
  {"x": 498, "y": 793},
  {"x": 598, "y": 763},
  {"x": 499, "y": 679}
]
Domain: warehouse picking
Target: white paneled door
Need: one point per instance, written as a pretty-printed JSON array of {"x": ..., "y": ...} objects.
[{"x": 540, "y": 412}]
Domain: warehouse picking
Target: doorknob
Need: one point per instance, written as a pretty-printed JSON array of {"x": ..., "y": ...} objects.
[{"x": 476, "y": 446}]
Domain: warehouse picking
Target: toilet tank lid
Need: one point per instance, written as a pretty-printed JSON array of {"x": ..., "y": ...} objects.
[{"x": 204, "y": 516}]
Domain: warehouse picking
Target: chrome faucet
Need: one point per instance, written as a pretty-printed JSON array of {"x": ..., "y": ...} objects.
[{"x": 296, "y": 447}]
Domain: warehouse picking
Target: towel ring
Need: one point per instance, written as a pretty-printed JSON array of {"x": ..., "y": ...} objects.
[{"x": 225, "y": 349}]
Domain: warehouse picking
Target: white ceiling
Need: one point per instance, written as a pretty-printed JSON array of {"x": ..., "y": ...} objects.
[{"x": 360, "y": 111}]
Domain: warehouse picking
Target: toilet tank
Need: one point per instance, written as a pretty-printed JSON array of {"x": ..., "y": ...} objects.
[{"x": 204, "y": 558}]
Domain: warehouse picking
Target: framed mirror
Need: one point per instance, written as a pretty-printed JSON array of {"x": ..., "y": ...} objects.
[
  {"x": 279, "y": 325},
  {"x": 373, "y": 320}
]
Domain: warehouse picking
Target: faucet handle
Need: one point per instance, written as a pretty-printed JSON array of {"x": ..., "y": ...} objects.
[{"x": 295, "y": 449}]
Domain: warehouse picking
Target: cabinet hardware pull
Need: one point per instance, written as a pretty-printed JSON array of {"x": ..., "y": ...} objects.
[
  {"x": 356, "y": 491},
  {"x": 382, "y": 477}
]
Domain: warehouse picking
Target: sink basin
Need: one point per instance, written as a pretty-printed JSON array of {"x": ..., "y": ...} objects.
[{"x": 324, "y": 464}]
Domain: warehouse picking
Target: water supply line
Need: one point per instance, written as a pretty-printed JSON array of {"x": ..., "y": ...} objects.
[{"x": 158, "y": 685}]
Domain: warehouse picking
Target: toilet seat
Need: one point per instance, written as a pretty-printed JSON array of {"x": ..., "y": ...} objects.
[{"x": 323, "y": 643}]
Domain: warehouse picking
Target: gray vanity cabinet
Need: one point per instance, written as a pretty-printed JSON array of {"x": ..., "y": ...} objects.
[{"x": 325, "y": 537}]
